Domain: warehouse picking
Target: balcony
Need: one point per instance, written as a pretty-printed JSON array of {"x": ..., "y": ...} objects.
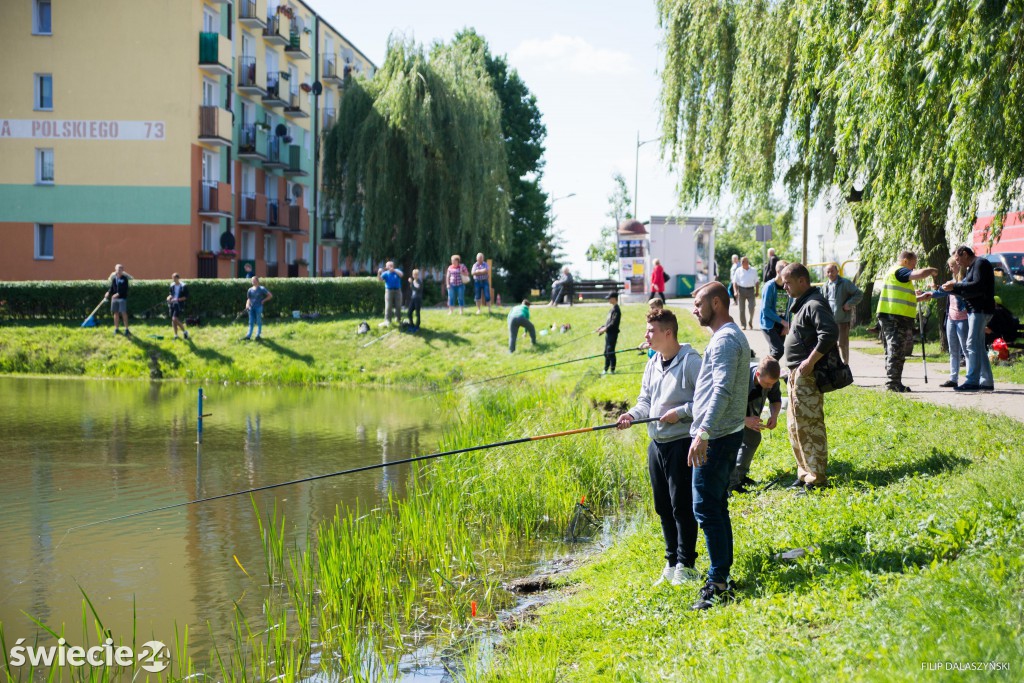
[
  {"x": 207, "y": 266},
  {"x": 251, "y": 13},
  {"x": 252, "y": 210},
  {"x": 250, "y": 81},
  {"x": 252, "y": 142},
  {"x": 277, "y": 90},
  {"x": 296, "y": 107},
  {"x": 271, "y": 268},
  {"x": 274, "y": 214},
  {"x": 330, "y": 117},
  {"x": 330, "y": 72},
  {"x": 215, "y": 126},
  {"x": 293, "y": 270},
  {"x": 214, "y": 53},
  {"x": 294, "y": 167},
  {"x": 214, "y": 199},
  {"x": 298, "y": 218},
  {"x": 275, "y": 154},
  {"x": 278, "y": 30},
  {"x": 298, "y": 44}
]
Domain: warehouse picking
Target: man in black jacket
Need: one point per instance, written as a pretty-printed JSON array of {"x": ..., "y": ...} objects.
[
  {"x": 812, "y": 333},
  {"x": 978, "y": 289},
  {"x": 610, "y": 330}
]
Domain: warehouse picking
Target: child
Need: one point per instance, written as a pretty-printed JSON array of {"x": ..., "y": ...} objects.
[
  {"x": 610, "y": 330},
  {"x": 416, "y": 300}
]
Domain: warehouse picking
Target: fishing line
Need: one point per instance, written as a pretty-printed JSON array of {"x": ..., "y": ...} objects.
[
  {"x": 543, "y": 367},
  {"x": 366, "y": 468}
]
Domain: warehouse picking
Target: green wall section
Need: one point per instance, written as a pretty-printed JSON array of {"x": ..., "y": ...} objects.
[{"x": 95, "y": 204}]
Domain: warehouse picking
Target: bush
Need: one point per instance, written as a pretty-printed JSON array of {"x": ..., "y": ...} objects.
[{"x": 207, "y": 298}]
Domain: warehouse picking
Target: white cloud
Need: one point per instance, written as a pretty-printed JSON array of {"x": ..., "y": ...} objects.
[{"x": 571, "y": 54}]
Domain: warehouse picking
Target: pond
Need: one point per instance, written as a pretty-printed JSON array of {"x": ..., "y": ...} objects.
[{"x": 81, "y": 451}]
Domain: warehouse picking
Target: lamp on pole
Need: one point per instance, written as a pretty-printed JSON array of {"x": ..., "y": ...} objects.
[
  {"x": 636, "y": 169},
  {"x": 551, "y": 202}
]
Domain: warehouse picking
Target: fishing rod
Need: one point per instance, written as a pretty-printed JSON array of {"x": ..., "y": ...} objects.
[
  {"x": 631, "y": 349},
  {"x": 365, "y": 468},
  {"x": 585, "y": 335}
]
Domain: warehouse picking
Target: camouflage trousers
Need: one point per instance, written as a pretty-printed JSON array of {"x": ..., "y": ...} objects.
[
  {"x": 805, "y": 421},
  {"x": 898, "y": 337}
]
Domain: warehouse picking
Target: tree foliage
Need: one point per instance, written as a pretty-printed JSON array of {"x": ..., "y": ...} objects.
[
  {"x": 530, "y": 258},
  {"x": 416, "y": 165},
  {"x": 736, "y": 235},
  {"x": 919, "y": 102}
]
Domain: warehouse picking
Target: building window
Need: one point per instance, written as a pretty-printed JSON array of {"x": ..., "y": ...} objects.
[
  {"x": 41, "y": 24},
  {"x": 270, "y": 249},
  {"x": 44, "y": 166},
  {"x": 209, "y": 237},
  {"x": 248, "y": 245},
  {"x": 44, "y": 242},
  {"x": 289, "y": 251},
  {"x": 44, "y": 92}
]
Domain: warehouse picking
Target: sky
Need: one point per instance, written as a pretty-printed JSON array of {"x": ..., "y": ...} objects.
[{"x": 594, "y": 68}]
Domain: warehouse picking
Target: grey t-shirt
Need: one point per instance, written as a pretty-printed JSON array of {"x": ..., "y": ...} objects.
[{"x": 257, "y": 295}]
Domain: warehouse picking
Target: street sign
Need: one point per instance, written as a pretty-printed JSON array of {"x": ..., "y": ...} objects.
[{"x": 763, "y": 233}]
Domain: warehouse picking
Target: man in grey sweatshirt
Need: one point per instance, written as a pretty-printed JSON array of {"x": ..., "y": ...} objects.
[
  {"x": 719, "y": 408},
  {"x": 667, "y": 391}
]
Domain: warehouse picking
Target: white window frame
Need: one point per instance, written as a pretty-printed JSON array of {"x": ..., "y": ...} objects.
[
  {"x": 37, "y": 102},
  {"x": 270, "y": 248},
  {"x": 211, "y": 170},
  {"x": 36, "y": 31},
  {"x": 37, "y": 251},
  {"x": 289, "y": 251},
  {"x": 247, "y": 249},
  {"x": 248, "y": 181},
  {"x": 247, "y": 45},
  {"x": 209, "y": 236},
  {"x": 210, "y": 93},
  {"x": 41, "y": 154},
  {"x": 211, "y": 20},
  {"x": 270, "y": 185},
  {"x": 293, "y": 80}
]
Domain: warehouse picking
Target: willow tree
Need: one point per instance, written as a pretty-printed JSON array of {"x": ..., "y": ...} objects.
[
  {"x": 415, "y": 165},
  {"x": 914, "y": 103}
]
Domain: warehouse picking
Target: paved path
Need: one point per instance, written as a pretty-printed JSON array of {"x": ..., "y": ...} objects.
[{"x": 869, "y": 372}]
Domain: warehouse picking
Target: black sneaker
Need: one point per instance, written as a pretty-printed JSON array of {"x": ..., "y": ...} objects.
[
  {"x": 968, "y": 387},
  {"x": 739, "y": 488},
  {"x": 798, "y": 484},
  {"x": 711, "y": 595},
  {"x": 245, "y": 339},
  {"x": 894, "y": 388},
  {"x": 127, "y": 332},
  {"x": 904, "y": 389},
  {"x": 948, "y": 384},
  {"x": 186, "y": 336},
  {"x": 747, "y": 481},
  {"x": 259, "y": 338},
  {"x": 987, "y": 387}
]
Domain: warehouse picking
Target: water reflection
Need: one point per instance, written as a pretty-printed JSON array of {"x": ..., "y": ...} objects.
[{"x": 81, "y": 451}]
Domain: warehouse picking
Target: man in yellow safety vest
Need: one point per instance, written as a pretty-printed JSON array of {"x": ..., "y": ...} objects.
[{"x": 897, "y": 309}]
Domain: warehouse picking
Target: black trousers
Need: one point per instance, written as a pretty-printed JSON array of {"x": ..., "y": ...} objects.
[
  {"x": 776, "y": 342},
  {"x": 415, "y": 305},
  {"x": 610, "y": 340},
  {"x": 672, "y": 485}
]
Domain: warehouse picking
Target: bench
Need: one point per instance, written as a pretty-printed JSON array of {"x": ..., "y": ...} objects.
[{"x": 595, "y": 289}]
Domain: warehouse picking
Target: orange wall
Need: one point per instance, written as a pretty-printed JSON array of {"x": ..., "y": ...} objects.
[{"x": 85, "y": 251}]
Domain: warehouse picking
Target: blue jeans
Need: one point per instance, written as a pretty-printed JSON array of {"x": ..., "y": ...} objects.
[
  {"x": 481, "y": 291},
  {"x": 255, "y": 320},
  {"x": 956, "y": 337},
  {"x": 457, "y": 293},
  {"x": 711, "y": 502},
  {"x": 979, "y": 370}
]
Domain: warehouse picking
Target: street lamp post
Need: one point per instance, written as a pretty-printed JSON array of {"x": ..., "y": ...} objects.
[{"x": 636, "y": 170}]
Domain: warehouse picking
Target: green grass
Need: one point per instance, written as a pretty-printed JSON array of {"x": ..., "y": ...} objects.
[
  {"x": 447, "y": 349},
  {"x": 916, "y": 558}
]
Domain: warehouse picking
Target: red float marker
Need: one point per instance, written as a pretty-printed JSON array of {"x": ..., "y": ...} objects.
[
  {"x": 583, "y": 499},
  {"x": 472, "y": 607}
]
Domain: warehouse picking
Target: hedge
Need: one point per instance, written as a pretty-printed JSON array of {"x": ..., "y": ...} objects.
[{"x": 207, "y": 298}]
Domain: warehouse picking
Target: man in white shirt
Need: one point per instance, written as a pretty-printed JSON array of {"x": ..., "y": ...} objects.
[
  {"x": 747, "y": 282},
  {"x": 732, "y": 276}
]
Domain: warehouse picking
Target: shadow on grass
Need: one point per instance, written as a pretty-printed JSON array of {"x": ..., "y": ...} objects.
[
  {"x": 285, "y": 351},
  {"x": 155, "y": 356},
  {"x": 207, "y": 353},
  {"x": 934, "y": 463},
  {"x": 430, "y": 336}
]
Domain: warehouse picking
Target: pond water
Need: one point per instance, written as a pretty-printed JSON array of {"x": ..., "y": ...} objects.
[{"x": 80, "y": 451}]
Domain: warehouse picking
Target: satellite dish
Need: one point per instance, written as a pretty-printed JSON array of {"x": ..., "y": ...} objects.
[
  {"x": 318, "y": 87},
  {"x": 281, "y": 130},
  {"x": 227, "y": 241},
  {"x": 297, "y": 191}
]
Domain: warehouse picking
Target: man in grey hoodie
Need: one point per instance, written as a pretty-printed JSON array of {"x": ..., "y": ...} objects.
[
  {"x": 719, "y": 408},
  {"x": 667, "y": 390}
]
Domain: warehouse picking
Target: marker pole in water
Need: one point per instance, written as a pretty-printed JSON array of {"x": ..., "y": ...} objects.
[{"x": 199, "y": 418}]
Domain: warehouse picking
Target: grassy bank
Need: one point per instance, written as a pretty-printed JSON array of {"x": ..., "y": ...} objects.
[
  {"x": 914, "y": 558},
  {"x": 329, "y": 350}
]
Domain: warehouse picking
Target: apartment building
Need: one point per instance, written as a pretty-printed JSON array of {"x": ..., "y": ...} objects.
[{"x": 168, "y": 136}]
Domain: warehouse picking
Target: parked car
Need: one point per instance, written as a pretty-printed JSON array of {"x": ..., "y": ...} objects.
[{"x": 1008, "y": 267}]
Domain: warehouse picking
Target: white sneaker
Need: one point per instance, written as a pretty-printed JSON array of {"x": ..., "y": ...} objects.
[
  {"x": 683, "y": 573},
  {"x": 667, "y": 574}
]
